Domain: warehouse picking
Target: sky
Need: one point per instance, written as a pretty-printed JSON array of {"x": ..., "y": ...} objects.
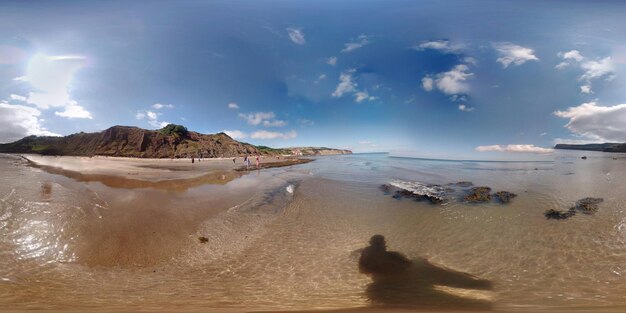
[{"x": 451, "y": 79}]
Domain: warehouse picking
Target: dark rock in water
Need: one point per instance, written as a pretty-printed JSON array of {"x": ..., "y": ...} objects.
[
  {"x": 203, "y": 239},
  {"x": 478, "y": 194},
  {"x": 559, "y": 215},
  {"x": 464, "y": 184},
  {"x": 504, "y": 196},
  {"x": 588, "y": 205},
  {"x": 386, "y": 188},
  {"x": 584, "y": 157}
]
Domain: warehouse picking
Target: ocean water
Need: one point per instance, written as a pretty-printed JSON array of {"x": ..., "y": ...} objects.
[{"x": 291, "y": 238}]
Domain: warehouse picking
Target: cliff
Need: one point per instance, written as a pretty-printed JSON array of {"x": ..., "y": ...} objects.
[
  {"x": 310, "y": 151},
  {"x": 603, "y": 147},
  {"x": 172, "y": 141}
]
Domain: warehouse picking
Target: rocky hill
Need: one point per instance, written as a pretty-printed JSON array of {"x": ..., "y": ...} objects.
[
  {"x": 172, "y": 141},
  {"x": 603, "y": 147},
  {"x": 317, "y": 151}
]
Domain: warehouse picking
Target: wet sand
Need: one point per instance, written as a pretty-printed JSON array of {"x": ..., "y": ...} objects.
[{"x": 153, "y": 173}]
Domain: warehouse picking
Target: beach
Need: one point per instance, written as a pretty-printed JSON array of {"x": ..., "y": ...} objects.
[{"x": 290, "y": 238}]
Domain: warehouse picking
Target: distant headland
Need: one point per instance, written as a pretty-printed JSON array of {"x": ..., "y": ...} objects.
[{"x": 602, "y": 147}]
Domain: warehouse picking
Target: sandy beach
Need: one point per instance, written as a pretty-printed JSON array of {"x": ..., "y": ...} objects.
[{"x": 152, "y": 170}]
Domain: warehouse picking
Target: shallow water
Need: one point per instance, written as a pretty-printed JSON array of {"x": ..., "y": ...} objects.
[{"x": 289, "y": 238}]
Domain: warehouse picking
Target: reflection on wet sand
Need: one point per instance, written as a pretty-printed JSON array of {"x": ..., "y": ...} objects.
[
  {"x": 176, "y": 185},
  {"x": 418, "y": 284}
]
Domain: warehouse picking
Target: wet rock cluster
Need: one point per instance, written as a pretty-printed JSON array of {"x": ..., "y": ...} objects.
[
  {"x": 400, "y": 193},
  {"x": 586, "y": 206},
  {"x": 439, "y": 194}
]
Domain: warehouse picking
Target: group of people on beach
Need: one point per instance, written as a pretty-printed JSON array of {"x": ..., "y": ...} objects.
[{"x": 247, "y": 160}]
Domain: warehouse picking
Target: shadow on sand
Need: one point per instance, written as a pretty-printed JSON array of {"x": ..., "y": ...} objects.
[{"x": 418, "y": 284}]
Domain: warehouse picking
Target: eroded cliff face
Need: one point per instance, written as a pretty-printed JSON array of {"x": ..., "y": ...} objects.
[
  {"x": 317, "y": 151},
  {"x": 125, "y": 141}
]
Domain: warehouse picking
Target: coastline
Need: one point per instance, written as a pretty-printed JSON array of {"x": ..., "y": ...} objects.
[{"x": 153, "y": 171}]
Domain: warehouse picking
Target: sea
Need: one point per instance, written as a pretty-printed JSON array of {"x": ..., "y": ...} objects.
[{"x": 291, "y": 238}]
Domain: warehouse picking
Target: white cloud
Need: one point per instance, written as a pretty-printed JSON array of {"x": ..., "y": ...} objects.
[
  {"x": 233, "y": 106},
  {"x": 586, "y": 89},
  {"x": 355, "y": 44},
  {"x": 235, "y": 134},
  {"x": 597, "y": 123},
  {"x": 320, "y": 78},
  {"x": 152, "y": 118},
  {"x": 262, "y": 118},
  {"x": 365, "y": 142},
  {"x": 427, "y": 83},
  {"x": 363, "y": 95},
  {"x": 51, "y": 78},
  {"x": 466, "y": 108},
  {"x": 331, "y": 61},
  {"x": 543, "y": 134},
  {"x": 18, "y": 98},
  {"x": 440, "y": 45},
  {"x": 73, "y": 110},
  {"x": 597, "y": 69},
  {"x": 346, "y": 84},
  {"x": 450, "y": 82},
  {"x": 158, "y": 106},
  {"x": 571, "y": 55},
  {"x": 296, "y": 35},
  {"x": 593, "y": 69},
  {"x": 569, "y": 141},
  {"x": 19, "y": 121},
  {"x": 513, "y": 54},
  {"x": 264, "y": 134},
  {"x": 514, "y": 148}
]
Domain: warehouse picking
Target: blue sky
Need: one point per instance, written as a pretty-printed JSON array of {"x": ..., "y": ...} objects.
[{"x": 429, "y": 78}]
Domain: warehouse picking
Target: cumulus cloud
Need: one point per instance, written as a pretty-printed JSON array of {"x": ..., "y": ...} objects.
[
  {"x": 266, "y": 119},
  {"x": 513, "y": 54},
  {"x": 51, "y": 78},
  {"x": 346, "y": 83},
  {"x": 597, "y": 69},
  {"x": 331, "y": 61},
  {"x": 466, "y": 108},
  {"x": 152, "y": 118},
  {"x": 18, "y": 98},
  {"x": 320, "y": 78},
  {"x": 264, "y": 134},
  {"x": 595, "y": 122},
  {"x": 73, "y": 110},
  {"x": 19, "y": 121},
  {"x": 158, "y": 106},
  {"x": 235, "y": 134},
  {"x": 296, "y": 35},
  {"x": 355, "y": 44},
  {"x": 233, "y": 106},
  {"x": 360, "y": 96},
  {"x": 592, "y": 69},
  {"x": 514, "y": 148},
  {"x": 444, "y": 46},
  {"x": 427, "y": 83},
  {"x": 451, "y": 82}
]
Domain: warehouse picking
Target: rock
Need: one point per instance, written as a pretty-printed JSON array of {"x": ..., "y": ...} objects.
[
  {"x": 504, "y": 196},
  {"x": 584, "y": 157},
  {"x": 203, "y": 239},
  {"x": 588, "y": 205},
  {"x": 559, "y": 215},
  {"x": 478, "y": 194},
  {"x": 464, "y": 184}
]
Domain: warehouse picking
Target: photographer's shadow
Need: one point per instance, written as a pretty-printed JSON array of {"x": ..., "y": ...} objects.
[{"x": 403, "y": 283}]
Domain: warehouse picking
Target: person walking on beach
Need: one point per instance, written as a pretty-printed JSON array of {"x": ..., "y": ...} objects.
[
  {"x": 246, "y": 161},
  {"x": 258, "y": 163},
  {"x": 234, "y": 160}
]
